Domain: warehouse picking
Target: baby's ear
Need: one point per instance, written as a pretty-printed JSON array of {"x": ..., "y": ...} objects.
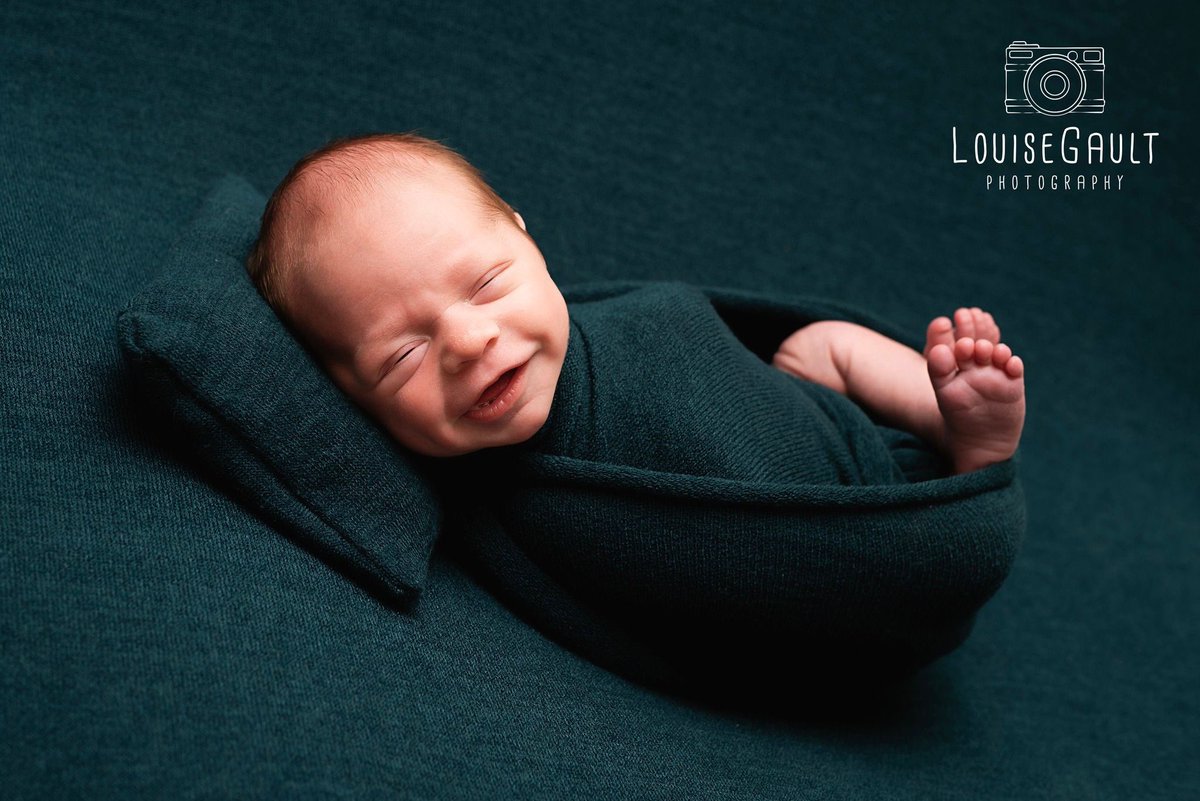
[{"x": 520, "y": 221}]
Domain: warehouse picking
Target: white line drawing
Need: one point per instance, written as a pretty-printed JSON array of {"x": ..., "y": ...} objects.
[{"x": 1053, "y": 80}]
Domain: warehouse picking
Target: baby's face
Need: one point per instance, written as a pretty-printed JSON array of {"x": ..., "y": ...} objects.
[{"x": 417, "y": 302}]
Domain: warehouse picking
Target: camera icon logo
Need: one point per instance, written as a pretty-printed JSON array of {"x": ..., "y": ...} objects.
[{"x": 1053, "y": 80}]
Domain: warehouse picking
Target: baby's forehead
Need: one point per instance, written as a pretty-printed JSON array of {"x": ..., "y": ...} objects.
[
  {"x": 367, "y": 183},
  {"x": 380, "y": 203}
]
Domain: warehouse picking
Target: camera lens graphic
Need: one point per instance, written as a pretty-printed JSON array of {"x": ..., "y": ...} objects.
[{"x": 1054, "y": 85}]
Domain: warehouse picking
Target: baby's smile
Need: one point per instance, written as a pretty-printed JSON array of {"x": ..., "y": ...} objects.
[{"x": 498, "y": 399}]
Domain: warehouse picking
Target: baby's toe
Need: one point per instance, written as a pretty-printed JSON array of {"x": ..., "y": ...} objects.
[
  {"x": 964, "y": 322},
  {"x": 941, "y": 361},
  {"x": 989, "y": 330},
  {"x": 1015, "y": 368},
  {"x": 983, "y": 326},
  {"x": 983, "y": 352},
  {"x": 964, "y": 352},
  {"x": 1001, "y": 355},
  {"x": 940, "y": 331}
]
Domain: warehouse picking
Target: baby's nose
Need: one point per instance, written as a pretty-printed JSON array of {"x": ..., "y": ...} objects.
[{"x": 467, "y": 336}]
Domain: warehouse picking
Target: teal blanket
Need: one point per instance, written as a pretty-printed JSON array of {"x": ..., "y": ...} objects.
[{"x": 691, "y": 514}]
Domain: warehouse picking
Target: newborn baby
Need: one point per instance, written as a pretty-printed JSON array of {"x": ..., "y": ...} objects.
[{"x": 429, "y": 304}]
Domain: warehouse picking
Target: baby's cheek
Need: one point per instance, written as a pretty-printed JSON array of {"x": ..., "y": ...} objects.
[{"x": 393, "y": 420}]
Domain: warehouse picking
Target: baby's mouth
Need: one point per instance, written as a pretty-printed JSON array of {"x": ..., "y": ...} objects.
[
  {"x": 494, "y": 391},
  {"x": 498, "y": 400}
]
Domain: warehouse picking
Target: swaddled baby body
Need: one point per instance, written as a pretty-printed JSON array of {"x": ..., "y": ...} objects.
[
  {"x": 422, "y": 294},
  {"x": 677, "y": 495}
]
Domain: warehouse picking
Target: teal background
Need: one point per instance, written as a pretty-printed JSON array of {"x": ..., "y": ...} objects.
[{"x": 158, "y": 639}]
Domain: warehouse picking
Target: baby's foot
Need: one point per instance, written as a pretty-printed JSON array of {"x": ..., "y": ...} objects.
[{"x": 980, "y": 389}]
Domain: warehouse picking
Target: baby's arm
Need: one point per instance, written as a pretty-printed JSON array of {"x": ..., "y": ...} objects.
[{"x": 887, "y": 378}]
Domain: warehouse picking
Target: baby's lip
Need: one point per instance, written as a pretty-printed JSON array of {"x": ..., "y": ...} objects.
[{"x": 483, "y": 391}]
